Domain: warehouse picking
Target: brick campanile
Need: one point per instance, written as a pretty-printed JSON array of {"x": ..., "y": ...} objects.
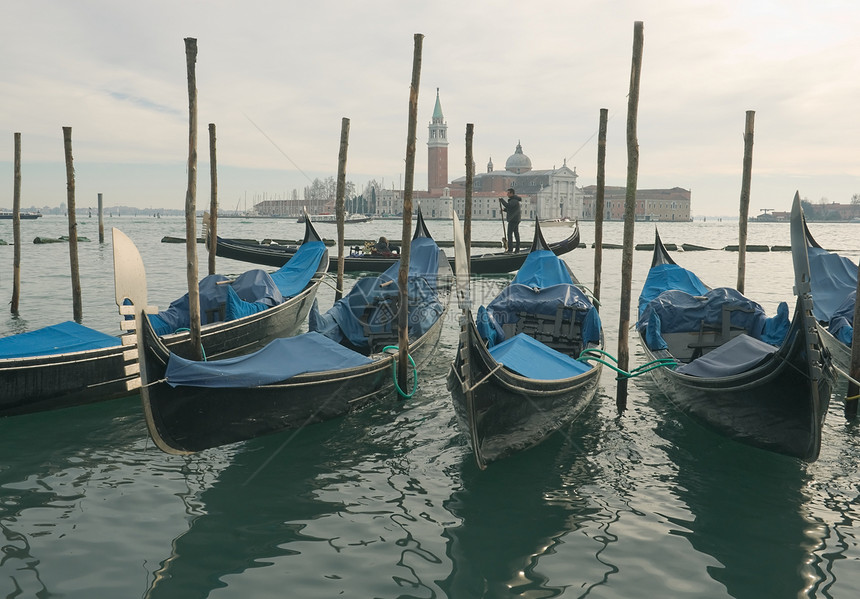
[{"x": 437, "y": 151}]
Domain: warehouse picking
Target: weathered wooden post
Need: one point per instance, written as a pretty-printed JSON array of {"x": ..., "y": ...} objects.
[
  {"x": 73, "y": 227},
  {"x": 470, "y": 176},
  {"x": 629, "y": 215},
  {"x": 406, "y": 236},
  {"x": 854, "y": 370},
  {"x": 745, "y": 198},
  {"x": 213, "y": 200},
  {"x": 339, "y": 201},
  {"x": 190, "y": 205},
  {"x": 101, "y": 220},
  {"x": 599, "y": 202},
  {"x": 16, "y": 226}
]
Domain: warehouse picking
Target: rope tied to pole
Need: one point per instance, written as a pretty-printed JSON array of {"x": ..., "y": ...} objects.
[
  {"x": 595, "y": 354},
  {"x": 394, "y": 373}
]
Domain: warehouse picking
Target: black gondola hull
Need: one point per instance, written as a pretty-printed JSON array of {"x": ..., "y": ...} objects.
[
  {"x": 52, "y": 382},
  {"x": 188, "y": 419},
  {"x": 506, "y": 413},
  {"x": 775, "y": 406},
  {"x": 778, "y": 405},
  {"x": 277, "y": 256}
]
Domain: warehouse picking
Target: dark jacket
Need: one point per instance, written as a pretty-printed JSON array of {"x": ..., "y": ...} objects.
[{"x": 512, "y": 208}]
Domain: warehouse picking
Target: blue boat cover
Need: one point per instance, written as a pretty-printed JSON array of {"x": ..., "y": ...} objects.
[
  {"x": 60, "y": 338},
  {"x": 776, "y": 327},
  {"x": 542, "y": 269},
  {"x": 681, "y": 312},
  {"x": 833, "y": 278},
  {"x": 516, "y": 298},
  {"x": 738, "y": 355},
  {"x": 841, "y": 323},
  {"x": 278, "y": 361},
  {"x": 675, "y": 311},
  {"x": 295, "y": 275},
  {"x": 257, "y": 288},
  {"x": 669, "y": 276},
  {"x": 370, "y": 306},
  {"x": 842, "y": 330},
  {"x": 534, "y": 360}
]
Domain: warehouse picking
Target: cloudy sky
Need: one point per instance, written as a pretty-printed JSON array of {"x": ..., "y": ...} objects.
[{"x": 276, "y": 78}]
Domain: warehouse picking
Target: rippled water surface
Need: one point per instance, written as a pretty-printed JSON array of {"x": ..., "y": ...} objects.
[{"x": 387, "y": 502}]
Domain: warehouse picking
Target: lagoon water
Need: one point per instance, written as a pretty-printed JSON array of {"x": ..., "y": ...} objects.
[{"x": 387, "y": 502}]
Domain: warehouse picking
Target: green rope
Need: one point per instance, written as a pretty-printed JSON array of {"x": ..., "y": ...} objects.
[
  {"x": 202, "y": 350},
  {"x": 589, "y": 355},
  {"x": 394, "y": 373}
]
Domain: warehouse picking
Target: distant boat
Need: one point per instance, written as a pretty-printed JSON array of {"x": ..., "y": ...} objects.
[
  {"x": 4, "y": 215},
  {"x": 558, "y": 222},
  {"x": 332, "y": 218}
]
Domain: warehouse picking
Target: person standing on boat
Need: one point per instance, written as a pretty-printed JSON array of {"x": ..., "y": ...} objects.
[
  {"x": 381, "y": 246},
  {"x": 513, "y": 211},
  {"x": 384, "y": 248}
]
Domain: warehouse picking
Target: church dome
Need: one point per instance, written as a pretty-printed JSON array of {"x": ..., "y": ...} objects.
[{"x": 518, "y": 162}]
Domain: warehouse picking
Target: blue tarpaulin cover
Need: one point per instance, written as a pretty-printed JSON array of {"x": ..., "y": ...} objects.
[
  {"x": 738, "y": 355},
  {"x": 295, "y": 275},
  {"x": 542, "y": 269},
  {"x": 255, "y": 286},
  {"x": 841, "y": 323},
  {"x": 669, "y": 276},
  {"x": 681, "y": 312},
  {"x": 833, "y": 278},
  {"x": 534, "y": 360},
  {"x": 60, "y": 338},
  {"x": 371, "y": 301},
  {"x": 280, "y": 360},
  {"x": 517, "y": 298},
  {"x": 319, "y": 351}
]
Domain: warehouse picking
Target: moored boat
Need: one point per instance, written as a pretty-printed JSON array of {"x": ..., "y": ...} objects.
[
  {"x": 345, "y": 360},
  {"x": 516, "y": 378},
  {"x": 360, "y": 261},
  {"x": 758, "y": 380},
  {"x": 69, "y": 364},
  {"x": 833, "y": 285}
]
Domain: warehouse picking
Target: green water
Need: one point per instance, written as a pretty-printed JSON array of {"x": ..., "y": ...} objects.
[{"x": 387, "y": 502}]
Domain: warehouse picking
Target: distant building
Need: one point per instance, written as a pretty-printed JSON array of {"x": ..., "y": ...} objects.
[
  {"x": 546, "y": 193},
  {"x": 651, "y": 204}
]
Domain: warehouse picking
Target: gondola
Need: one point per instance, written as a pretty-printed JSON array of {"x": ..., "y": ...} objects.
[
  {"x": 833, "y": 284},
  {"x": 345, "y": 360},
  {"x": 516, "y": 377},
  {"x": 359, "y": 261},
  {"x": 70, "y": 364},
  {"x": 758, "y": 380}
]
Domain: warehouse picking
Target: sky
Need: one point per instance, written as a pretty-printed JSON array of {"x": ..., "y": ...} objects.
[{"x": 277, "y": 78}]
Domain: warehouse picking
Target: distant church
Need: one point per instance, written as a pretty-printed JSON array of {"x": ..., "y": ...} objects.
[{"x": 547, "y": 194}]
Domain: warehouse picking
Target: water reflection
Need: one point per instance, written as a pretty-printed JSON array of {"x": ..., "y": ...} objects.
[
  {"x": 515, "y": 516},
  {"x": 62, "y": 481},
  {"x": 336, "y": 507},
  {"x": 748, "y": 509}
]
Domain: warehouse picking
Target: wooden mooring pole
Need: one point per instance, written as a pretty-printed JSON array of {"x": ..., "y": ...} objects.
[
  {"x": 854, "y": 370},
  {"x": 77, "y": 306},
  {"x": 196, "y": 349},
  {"x": 403, "y": 272},
  {"x": 629, "y": 215},
  {"x": 339, "y": 204},
  {"x": 745, "y": 198},
  {"x": 470, "y": 177},
  {"x": 101, "y": 219},
  {"x": 16, "y": 227},
  {"x": 212, "y": 228},
  {"x": 599, "y": 202}
]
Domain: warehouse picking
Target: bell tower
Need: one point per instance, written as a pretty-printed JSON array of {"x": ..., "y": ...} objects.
[{"x": 437, "y": 150}]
